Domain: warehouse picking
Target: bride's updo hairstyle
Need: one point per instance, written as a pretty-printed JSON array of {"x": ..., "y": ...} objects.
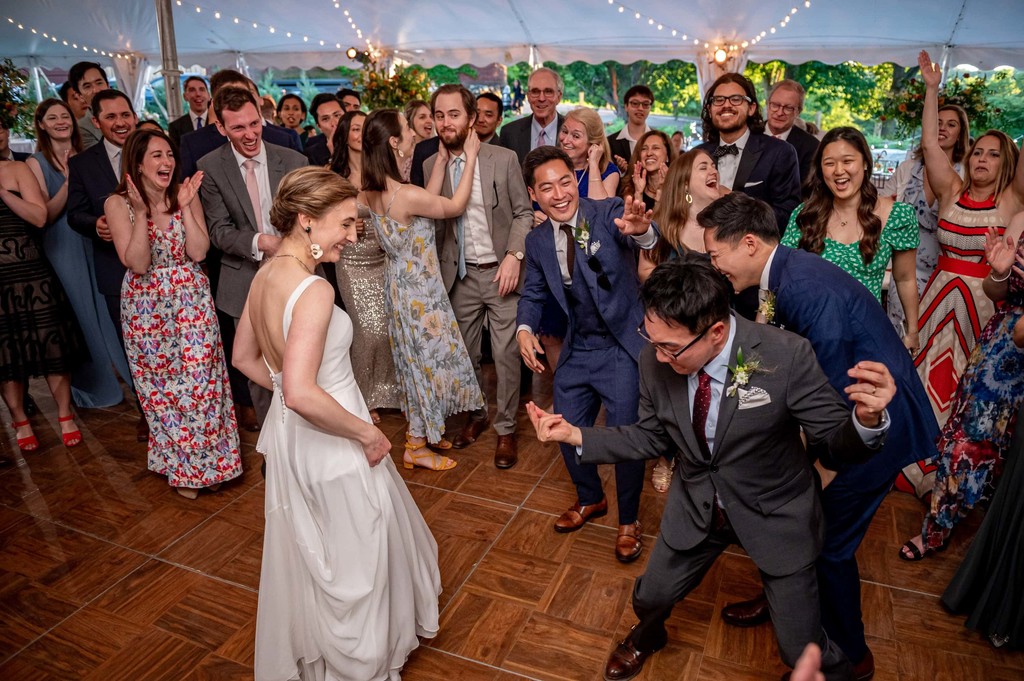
[{"x": 312, "y": 191}]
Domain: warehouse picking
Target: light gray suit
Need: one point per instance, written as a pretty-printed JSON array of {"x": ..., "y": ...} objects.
[
  {"x": 758, "y": 474},
  {"x": 231, "y": 219},
  {"x": 509, "y": 218},
  {"x": 91, "y": 135}
]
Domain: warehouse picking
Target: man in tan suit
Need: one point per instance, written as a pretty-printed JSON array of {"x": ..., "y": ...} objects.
[{"x": 481, "y": 255}]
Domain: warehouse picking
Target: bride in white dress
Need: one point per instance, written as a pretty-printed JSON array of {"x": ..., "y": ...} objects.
[{"x": 349, "y": 577}]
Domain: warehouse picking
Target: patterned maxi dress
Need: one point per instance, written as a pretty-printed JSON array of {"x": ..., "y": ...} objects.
[
  {"x": 975, "y": 439},
  {"x": 172, "y": 340},
  {"x": 954, "y": 310},
  {"x": 434, "y": 369}
]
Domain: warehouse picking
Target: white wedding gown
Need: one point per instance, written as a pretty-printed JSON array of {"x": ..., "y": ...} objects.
[{"x": 349, "y": 576}]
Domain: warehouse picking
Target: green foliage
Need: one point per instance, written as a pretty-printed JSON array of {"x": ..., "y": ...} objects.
[
  {"x": 1005, "y": 92},
  {"x": 381, "y": 90},
  {"x": 443, "y": 75},
  {"x": 15, "y": 106},
  {"x": 904, "y": 104},
  {"x": 307, "y": 90}
]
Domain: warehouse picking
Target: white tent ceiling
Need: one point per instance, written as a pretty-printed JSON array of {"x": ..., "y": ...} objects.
[{"x": 985, "y": 33}]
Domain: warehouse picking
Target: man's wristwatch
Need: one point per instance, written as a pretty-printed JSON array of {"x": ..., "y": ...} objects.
[{"x": 518, "y": 255}]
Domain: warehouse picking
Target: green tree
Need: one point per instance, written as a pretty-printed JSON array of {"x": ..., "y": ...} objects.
[{"x": 443, "y": 75}]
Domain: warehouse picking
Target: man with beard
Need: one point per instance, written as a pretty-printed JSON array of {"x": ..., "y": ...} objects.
[
  {"x": 92, "y": 176},
  {"x": 748, "y": 160},
  {"x": 198, "y": 97},
  {"x": 481, "y": 254}
]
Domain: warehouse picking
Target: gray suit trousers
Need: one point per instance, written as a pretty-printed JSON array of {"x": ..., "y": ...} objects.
[{"x": 474, "y": 299}]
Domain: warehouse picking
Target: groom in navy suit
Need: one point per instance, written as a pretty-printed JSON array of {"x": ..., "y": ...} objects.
[
  {"x": 806, "y": 294},
  {"x": 585, "y": 255}
]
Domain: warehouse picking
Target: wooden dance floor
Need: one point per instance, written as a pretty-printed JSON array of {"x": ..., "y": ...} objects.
[{"x": 107, "y": 574}]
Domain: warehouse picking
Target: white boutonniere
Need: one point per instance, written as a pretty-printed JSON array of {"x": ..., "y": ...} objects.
[
  {"x": 766, "y": 308},
  {"x": 594, "y": 246},
  {"x": 742, "y": 372},
  {"x": 582, "y": 233}
]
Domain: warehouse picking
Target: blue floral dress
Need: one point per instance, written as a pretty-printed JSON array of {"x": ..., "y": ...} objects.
[
  {"x": 433, "y": 366},
  {"x": 975, "y": 439},
  {"x": 172, "y": 340}
]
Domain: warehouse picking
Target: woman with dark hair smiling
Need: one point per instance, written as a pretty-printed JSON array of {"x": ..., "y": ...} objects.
[
  {"x": 360, "y": 273},
  {"x": 171, "y": 335},
  {"x": 93, "y": 383},
  {"x": 291, "y": 111},
  {"x": 434, "y": 369},
  {"x": 846, "y": 222},
  {"x": 648, "y": 166}
]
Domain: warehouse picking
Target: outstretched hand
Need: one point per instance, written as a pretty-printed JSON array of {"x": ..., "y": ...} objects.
[
  {"x": 189, "y": 189},
  {"x": 872, "y": 392},
  {"x": 930, "y": 73},
  {"x": 552, "y": 427},
  {"x": 635, "y": 219},
  {"x": 639, "y": 179},
  {"x": 1002, "y": 254}
]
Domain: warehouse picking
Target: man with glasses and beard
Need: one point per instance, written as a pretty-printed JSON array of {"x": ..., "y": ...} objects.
[
  {"x": 584, "y": 255},
  {"x": 481, "y": 254},
  {"x": 749, "y": 161}
]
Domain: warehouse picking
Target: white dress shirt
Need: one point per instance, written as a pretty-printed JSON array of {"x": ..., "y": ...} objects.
[
  {"x": 730, "y": 163},
  {"x": 624, "y": 135},
  {"x": 784, "y": 135},
  {"x": 114, "y": 154},
  {"x": 479, "y": 247}
]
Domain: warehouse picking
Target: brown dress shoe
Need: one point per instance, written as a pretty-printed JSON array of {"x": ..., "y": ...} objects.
[
  {"x": 470, "y": 432},
  {"x": 577, "y": 516},
  {"x": 142, "y": 429},
  {"x": 247, "y": 420},
  {"x": 865, "y": 669},
  {"x": 629, "y": 543},
  {"x": 506, "y": 454},
  {"x": 747, "y": 613},
  {"x": 625, "y": 662}
]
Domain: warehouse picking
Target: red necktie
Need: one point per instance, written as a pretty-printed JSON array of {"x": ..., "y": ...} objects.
[{"x": 701, "y": 406}]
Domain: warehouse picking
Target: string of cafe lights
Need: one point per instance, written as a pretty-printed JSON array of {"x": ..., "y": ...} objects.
[
  {"x": 67, "y": 42},
  {"x": 675, "y": 32},
  {"x": 298, "y": 36}
]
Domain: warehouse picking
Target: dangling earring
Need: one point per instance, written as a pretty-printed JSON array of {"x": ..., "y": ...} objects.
[
  {"x": 401, "y": 154},
  {"x": 689, "y": 199},
  {"x": 314, "y": 249}
]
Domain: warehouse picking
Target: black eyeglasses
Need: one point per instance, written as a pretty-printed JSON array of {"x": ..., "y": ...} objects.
[
  {"x": 735, "y": 100},
  {"x": 786, "y": 108},
  {"x": 669, "y": 353},
  {"x": 602, "y": 279}
]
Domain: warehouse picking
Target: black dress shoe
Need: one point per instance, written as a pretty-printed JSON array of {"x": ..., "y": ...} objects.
[
  {"x": 142, "y": 429},
  {"x": 747, "y": 613}
]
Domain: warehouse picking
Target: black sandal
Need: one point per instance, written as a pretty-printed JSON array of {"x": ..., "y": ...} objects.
[{"x": 915, "y": 554}]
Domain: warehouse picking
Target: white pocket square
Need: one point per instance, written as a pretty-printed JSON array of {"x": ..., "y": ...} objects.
[
  {"x": 751, "y": 398},
  {"x": 754, "y": 184}
]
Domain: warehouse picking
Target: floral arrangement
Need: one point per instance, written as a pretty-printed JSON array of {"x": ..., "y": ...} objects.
[
  {"x": 904, "y": 107},
  {"x": 742, "y": 372},
  {"x": 381, "y": 90},
  {"x": 15, "y": 108}
]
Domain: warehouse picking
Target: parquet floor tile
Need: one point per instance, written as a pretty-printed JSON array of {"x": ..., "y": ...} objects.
[{"x": 107, "y": 574}]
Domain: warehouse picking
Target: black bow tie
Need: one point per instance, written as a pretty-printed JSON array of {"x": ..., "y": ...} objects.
[{"x": 725, "y": 150}]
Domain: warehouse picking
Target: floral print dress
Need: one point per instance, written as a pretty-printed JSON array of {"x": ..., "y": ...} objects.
[
  {"x": 172, "y": 340},
  {"x": 433, "y": 366}
]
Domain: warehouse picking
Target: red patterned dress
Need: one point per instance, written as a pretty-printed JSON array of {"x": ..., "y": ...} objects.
[
  {"x": 173, "y": 344},
  {"x": 954, "y": 310}
]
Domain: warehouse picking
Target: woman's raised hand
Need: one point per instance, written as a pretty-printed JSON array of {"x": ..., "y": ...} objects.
[{"x": 930, "y": 73}]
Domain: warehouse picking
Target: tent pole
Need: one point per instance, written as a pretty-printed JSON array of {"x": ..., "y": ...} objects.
[{"x": 169, "y": 57}]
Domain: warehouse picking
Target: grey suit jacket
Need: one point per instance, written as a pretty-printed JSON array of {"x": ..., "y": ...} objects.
[
  {"x": 231, "y": 220},
  {"x": 759, "y": 467},
  {"x": 518, "y": 135},
  {"x": 88, "y": 130},
  {"x": 506, "y": 202}
]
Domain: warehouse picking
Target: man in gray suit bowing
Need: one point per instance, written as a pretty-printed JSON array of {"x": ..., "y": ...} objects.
[
  {"x": 239, "y": 183},
  {"x": 730, "y": 397},
  {"x": 481, "y": 255}
]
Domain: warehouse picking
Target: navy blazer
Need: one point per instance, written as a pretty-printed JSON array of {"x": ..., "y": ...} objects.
[
  {"x": 199, "y": 143},
  {"x": 805, "y": 144},
  {"x": 316, "y": 151},
  {"x": 424, "y": 150},
  {"x": 845, "y": 325},
  {"x": 91, "y": 180},
  {"x": 180, "y": 127},
  {"x": 769, "y": 170},
  {"x": 619, "y": 306}
]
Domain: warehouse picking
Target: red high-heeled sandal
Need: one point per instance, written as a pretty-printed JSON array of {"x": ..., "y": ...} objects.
[
  {"x": 27, "y": 444},
  {"x": 74, "y": 438}
]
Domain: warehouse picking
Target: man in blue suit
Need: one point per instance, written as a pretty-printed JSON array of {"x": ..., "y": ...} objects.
[
  {"x": 585, "y": 255},
  {"x": 805, "y": 294},
  {"x": 748, "y": 160}
]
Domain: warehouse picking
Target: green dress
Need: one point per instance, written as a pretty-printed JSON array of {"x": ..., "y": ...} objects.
[{"x": 899, "y": 233}]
